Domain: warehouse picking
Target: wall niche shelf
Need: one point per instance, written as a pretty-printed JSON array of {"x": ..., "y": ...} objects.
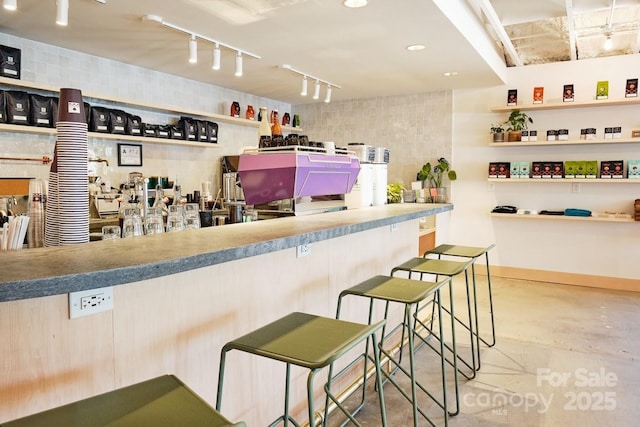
[
  {"x": 560, "y": 105},
  {"x": 563, "y": 218},
  {"x": 146, "y": 106}
]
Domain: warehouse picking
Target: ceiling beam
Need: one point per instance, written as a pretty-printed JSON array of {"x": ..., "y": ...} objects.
[
  {"x": 491, "y": 15},
  {"x": 573, "y": 49}
]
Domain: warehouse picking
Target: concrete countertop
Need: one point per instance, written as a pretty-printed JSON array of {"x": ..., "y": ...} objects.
[{"x": 31, "y": 273}]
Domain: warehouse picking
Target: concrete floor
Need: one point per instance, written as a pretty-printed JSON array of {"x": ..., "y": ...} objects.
[{"x": 565, "y": 356}]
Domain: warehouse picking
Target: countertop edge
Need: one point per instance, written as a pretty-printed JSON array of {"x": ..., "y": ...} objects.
[{"x": 304, "y": 230}]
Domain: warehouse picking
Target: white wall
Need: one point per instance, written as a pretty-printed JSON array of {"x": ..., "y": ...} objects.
[{"x": 593, "y": 248}]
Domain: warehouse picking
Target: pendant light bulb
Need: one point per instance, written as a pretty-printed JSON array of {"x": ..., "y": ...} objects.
[
  {"x": 193, "y": 50},
  {"x": 10, "y": 4},
  {"x": 316, "y": 90},
  {"x": 327, "y": 98},
  {"x": 62, "y": 12},
  {"x": 608, "y": 43},
  {"x": 303, "y": 92},
  {"x": 216, "y": 57},
  {"x": 239, "y": 64}
]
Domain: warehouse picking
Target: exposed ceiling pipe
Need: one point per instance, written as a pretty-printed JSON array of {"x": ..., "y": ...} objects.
[
  {"x": 491, "y": 15},
  {"x": 573, "y": 50}
]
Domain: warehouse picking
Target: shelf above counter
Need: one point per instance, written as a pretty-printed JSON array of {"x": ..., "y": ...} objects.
[
  {"x": 566, "y": 180},
  {"x": 563, "y": 218},
  {"x": 598, "y": 141},
  {"x": 145, "y": 105},
  {"x": 560, "y": 105},
  {"x": 128, "y": 138}
]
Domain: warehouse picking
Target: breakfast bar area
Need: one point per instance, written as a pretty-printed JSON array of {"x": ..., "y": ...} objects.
[{"x": 178, "y": 297}]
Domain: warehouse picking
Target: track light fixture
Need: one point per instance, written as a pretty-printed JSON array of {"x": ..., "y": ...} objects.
[
  {"x": 193, "y": 50},
  {"x": 316, "y": 89},
  {"x": 10, "y": 4},
  {"x": 193, "y": 47},
  {"x": 239, "y": 64},
  {"x": 327, "y": 98},
  {"x": 216, "y": 57},
  {"x": 62, "y": 12}
]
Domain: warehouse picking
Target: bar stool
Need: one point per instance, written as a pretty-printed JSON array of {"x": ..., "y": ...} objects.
[
  {"x": 410, "y": 293},
  {"x": 311, "y": 342},
  {"x": 160, "y": 401},
  {"x": 474, "y": 253},
  {"x": 449, "y": 269}
]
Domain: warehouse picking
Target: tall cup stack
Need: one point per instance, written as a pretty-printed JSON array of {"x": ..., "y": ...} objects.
[{"x": 67, "y": 219}]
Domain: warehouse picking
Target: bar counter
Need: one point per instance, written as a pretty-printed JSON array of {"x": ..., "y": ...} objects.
[
  {"x": 179, "y": 297},
  {"x": 50, "y": 271}
]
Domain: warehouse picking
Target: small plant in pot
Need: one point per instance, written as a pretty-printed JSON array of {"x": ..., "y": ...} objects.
[
  {"x": 517, "y": 121},
  {"x": 498, "y": 132},
  {"x": 434, "y": 174},
  {"x": 394, "y": 192}
]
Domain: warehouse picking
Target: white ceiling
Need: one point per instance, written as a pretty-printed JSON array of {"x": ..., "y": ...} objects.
[{"x": 361, "y": 50}]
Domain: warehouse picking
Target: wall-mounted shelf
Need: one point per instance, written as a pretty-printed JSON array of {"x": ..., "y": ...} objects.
[
  {"x": 566, "y": 180},
  {"x": 111, "y": 136},
  {"x": 571, "y": 142},
  {"x": 559, "y": 105},
  {"x": 145, "y": 105},
  {"x": 564, "y": 218}
]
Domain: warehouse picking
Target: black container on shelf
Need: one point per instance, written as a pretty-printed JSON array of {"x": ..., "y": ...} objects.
[
  {"x": 41, "y": 112},
  {"x": 17, "y": 107}
]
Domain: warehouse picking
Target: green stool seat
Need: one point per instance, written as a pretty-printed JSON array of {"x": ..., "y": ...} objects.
[
  {"x": 308, "y": 341},
  {"x": 409, "y": 293},
  {"x": 439, "y": 267},
  {"x": 474, "y": 253},
  {"x": 163, "y": 401}
]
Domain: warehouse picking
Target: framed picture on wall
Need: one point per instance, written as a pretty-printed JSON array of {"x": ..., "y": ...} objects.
[{"x": 129, "y": 155}]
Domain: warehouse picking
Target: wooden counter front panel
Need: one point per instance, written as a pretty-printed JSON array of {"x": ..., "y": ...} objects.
[{"x": 178, "y": 324}]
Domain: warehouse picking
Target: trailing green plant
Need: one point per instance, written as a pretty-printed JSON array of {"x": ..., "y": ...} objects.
[
  {"x": 434, "y": 174},
  {"x": 394, "y": 192},
  {"x": 518, "y": 121}
]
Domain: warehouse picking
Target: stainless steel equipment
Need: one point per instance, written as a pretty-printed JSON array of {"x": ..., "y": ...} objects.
[{"x": 365, "y": 153}]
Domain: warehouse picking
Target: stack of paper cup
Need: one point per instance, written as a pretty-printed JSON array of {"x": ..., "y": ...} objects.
[{"x": 67, "y": 220}]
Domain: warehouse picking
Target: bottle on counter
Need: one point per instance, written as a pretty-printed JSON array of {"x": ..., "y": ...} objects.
[
  {"x": 264, "y": 130},
  {"x": 277, "y": 139}
]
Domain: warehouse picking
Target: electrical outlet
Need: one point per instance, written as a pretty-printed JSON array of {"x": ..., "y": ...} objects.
[
  {"x": 575, "y": 187},
  {"x": 491, "y": 186},
  {"x": 303, "y": 250},
  {"x": 84, "y": 303},
  {"x": 394, "y": 226}
]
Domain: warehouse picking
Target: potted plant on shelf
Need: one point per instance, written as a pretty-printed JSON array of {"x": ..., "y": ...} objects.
[
  {"x": 518, "y": 121},
  {"x": 434, "y": 175},
  {"x": 498, "y": 132}
]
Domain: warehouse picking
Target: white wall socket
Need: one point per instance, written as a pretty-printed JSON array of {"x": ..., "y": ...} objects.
[
  {"x": 84, "y": 303},
  {"x": 303, "y": 250},
  {"x": 394, "y": 226}
]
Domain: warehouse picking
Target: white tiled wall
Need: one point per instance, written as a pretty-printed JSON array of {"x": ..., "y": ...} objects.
[
  {"x": 58, "y": 67},
  {"x": 415, "y": 128}
]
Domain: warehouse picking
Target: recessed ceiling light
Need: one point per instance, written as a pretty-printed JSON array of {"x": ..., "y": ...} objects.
[
  {"x": 355, "y": 3},
  {"x": 451, "y": 73},
  {"x": 415, "y": 47}
]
